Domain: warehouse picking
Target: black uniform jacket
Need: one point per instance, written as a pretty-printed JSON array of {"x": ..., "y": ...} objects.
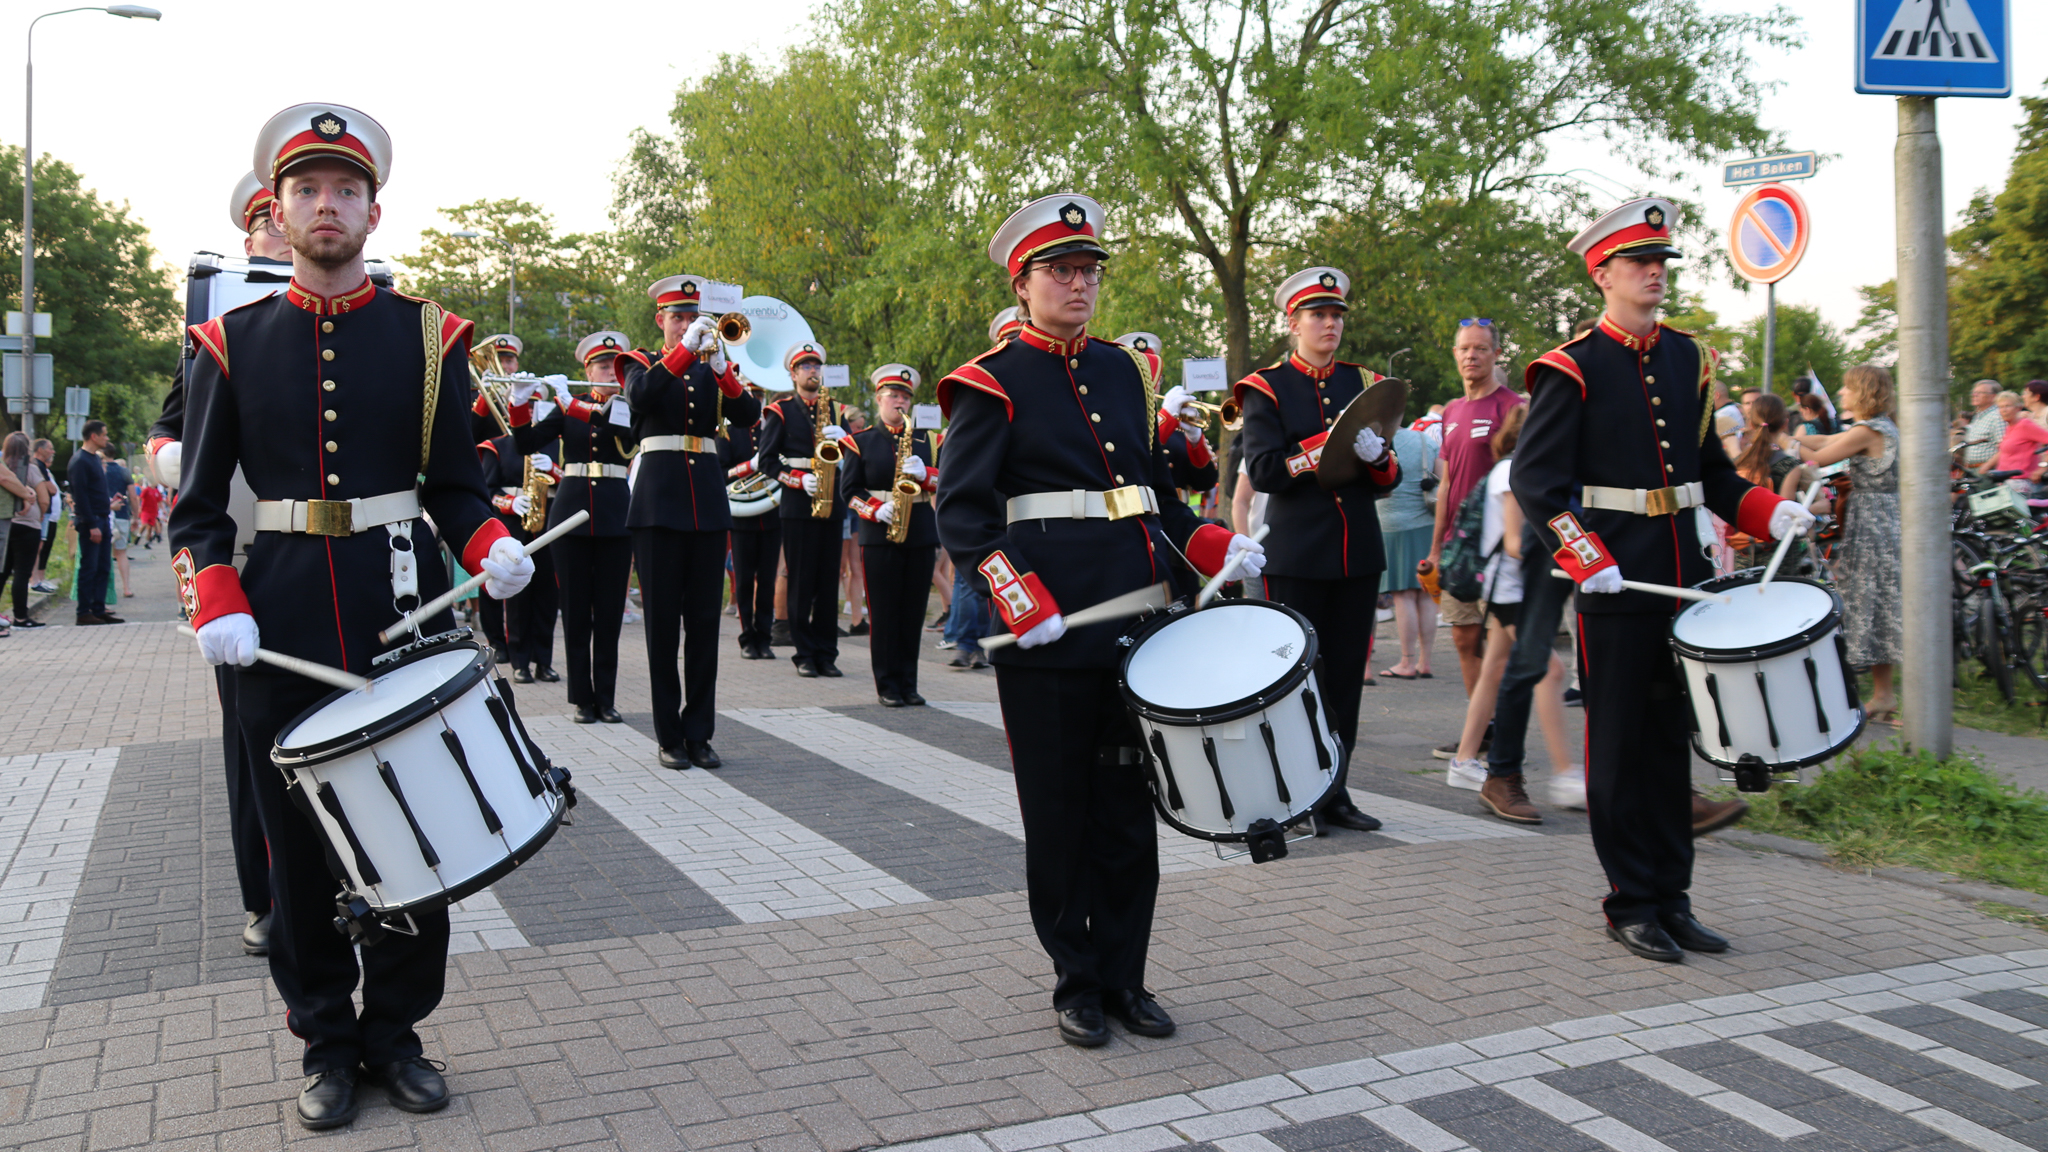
[
  {"x": 867, "y": 477},
  {"x": 1318, "y": 533},
  {"x": 504, "y": 468},
  {"x": 789, "y": 431},
  {"x": 1036, "y": 414},
  {"x": 1614, "y": 409},
  {"x": 674, "y": 394},
  {"x": 1182, "y": 453},
  {"x": 590, "y": 437},
  {"x": 738, "y": 450},
  {"x": 323, "y": 399}
]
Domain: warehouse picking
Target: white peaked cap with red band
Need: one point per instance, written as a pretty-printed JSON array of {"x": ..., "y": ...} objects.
[
  {"x": 1143, "y": 342},
  {"x": 504, "y": 342},
  {"x": 305, "y": 132},
  {"x": 677, "y": 293},
  {"x": 800, "y": 352},
  {"x": 251, "y": 198},
  {"x": 1313, "y": 288},
  {"x": 1006, "y": 324},
  {"x": 1637, "y": 228},
  {"x": 895, "y": 376},
  {"x": 601, "y": 344},
  {"x": 1048, "y": 226}
]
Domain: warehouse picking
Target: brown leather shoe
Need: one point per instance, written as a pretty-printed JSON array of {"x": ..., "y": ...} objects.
[
  {"x": 1714, "y": 815},
  {"x": 1505, "y": 797}
]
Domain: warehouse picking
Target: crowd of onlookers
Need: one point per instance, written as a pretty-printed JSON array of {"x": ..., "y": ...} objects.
[{"x": 108, "y": 508}]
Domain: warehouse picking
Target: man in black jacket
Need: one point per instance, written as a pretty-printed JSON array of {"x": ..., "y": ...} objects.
[
  {"x": 91, "y": 509},
  {"x": 896, "y": 573},
  {"x": 790, "y": 435}
]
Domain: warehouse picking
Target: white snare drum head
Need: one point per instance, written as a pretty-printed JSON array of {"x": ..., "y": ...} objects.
[
  {"x": 1755, "y": 615},
  {"x": 387, "y": 695},
  {"x": 1217, "y": 656}
]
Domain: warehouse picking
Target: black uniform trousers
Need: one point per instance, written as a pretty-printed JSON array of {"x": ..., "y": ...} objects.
[
  {"x": 1341, "y": 612},
  {"x": 530, "y": 616},
  {"x": 898, "y": 578},
  {"x": 1543, "y": 602},
  {"x": 682, "y": 587},
  {"x": 1638, "y": 763},
  {"x": 1091, "y": 848},
  {"x": 812, "y": 549},
  {"x": 245, "y": 821},
  {"x": 755, "y": 553},
  {"x": 314, "y": 966},
  {"x": 592, "y": 572}
]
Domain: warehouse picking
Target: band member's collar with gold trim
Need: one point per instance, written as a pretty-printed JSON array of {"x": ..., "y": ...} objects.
[
  {"x": 1310, "y": 370},
  {"x": 1628, "y": 339},
  {"x": 1044, "y": 343},
  {"x": 330, "y": 305}
]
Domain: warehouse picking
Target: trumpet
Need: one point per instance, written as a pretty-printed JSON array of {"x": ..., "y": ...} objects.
[
  {"x": 1230, "y": 413},
  {"x": 734, "y": 328}
]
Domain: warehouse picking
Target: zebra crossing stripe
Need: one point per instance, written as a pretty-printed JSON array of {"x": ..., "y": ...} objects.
[
  {"x": 1881, "y": 1094},
  {"x": 1749, "y": 1110},
  {"x": 1565, "y": 1108},
  {"x": 47, "y": 817},
  {"x": 481, "y": 924},
  {"x": 1961, "y": 1061},
  {"x": 1995, "y": 1019}
]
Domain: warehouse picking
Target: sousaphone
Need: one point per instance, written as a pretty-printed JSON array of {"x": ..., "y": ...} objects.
[{"x": 775, "y": 327}]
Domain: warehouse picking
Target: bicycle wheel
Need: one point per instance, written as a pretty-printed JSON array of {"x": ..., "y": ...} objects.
[
  {"x": 1970, "y": 592},
  {"x": 2030, "y": 634},
  {"x": 1999, "y": 643}
]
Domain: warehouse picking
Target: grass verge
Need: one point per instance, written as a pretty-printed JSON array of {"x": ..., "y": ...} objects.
[
  {"x": 1883, "y": 807},
  {"x": 2021, "y": 916},
  {"x": 1978, "y": 704}
]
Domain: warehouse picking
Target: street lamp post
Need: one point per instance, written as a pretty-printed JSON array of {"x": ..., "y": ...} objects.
[
  {"x": 511, "y": 279},
  {"x": 28, "y": 205},
  {"x": 1394, "y": 357}
]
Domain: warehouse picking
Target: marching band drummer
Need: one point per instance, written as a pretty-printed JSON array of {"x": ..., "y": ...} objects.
[
  {"x": 1623, "y": 410},
  {"x": 1063, "y": 424},
  {"x": 898, "y": 576},
  {"x": 810, "y": 544},
  {"x": 341, "y": 537},
  {"x": 1194, "y": 464},
  {"x": 593, "y": 562},
  {"x": 756, "y": 547},
  {"x": 682, "y": 400},
  {"x": 1326, "y": 557}
]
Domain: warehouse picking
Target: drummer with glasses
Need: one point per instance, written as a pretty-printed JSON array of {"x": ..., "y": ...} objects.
[
  {"x": 1057, "y": 496},
  {"x": 1622, "y": 410}
]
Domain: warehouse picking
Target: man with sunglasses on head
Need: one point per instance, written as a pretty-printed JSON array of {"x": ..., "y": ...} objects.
[{"x": 1057, "y": 496}]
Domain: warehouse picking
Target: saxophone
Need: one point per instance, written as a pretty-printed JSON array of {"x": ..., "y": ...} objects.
[
  {"x": 535, "y": 484},
  {"x": 903, "y": 494},
  {"x": 824, "y": 459}
]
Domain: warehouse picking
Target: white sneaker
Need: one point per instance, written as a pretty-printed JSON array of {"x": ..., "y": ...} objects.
[
  {"x": 1568, "y": 791},
  {"x": 1467, "y": 774}
]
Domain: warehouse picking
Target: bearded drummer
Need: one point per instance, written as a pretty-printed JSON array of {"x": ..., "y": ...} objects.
[
  {"x": 341, "y": 538},
  {"x": 1623, "y": 410},
  {"x": 1063, "y": 425}
]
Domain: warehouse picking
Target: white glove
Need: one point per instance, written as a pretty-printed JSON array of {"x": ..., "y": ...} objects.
[
  {"x": 542, "y": 462},
  {"x": 886, "y": 514},
  {"x": 717, "y": 359},
  {"x": 810, "y": 483},
  {"x": 1047, "y": 631},
  {"x": 229, "y": 639},
  {"x": 699, "y": 330},
  {"x": 170, "y": 459},
  {"x": 1790, "y": 518},
  {"x": 509, "y": 567},
  {"x": 1176, "y": 401},
  {"x": 1606, "y": 581},
  {"x": 1369, "y": 446},
  {"x": 560, "y": 384},
  {"x": 915, "y": 469},
  {"x": 834, "y": 432},
  {"x": 1254, "y": 554},
  {"x": 523, "y": 391},
  {"x": 521, "y": 505}
]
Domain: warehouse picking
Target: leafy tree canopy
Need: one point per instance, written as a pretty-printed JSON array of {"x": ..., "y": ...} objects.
[{"x": 1998, "y": 286}]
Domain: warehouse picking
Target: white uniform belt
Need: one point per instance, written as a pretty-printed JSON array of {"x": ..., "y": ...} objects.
[
  {"x": 336, "y": 517},
  {"x": 1645, "y": 501},
  {"x": 803, "y": 462},
  {"x": 595, "y": 471},
  {"x": 1080, "y": 504},
  {"x": 678, "y": 444}
]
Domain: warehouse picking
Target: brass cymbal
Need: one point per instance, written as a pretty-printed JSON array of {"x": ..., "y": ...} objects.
[{"x": 1378, "y": 407}]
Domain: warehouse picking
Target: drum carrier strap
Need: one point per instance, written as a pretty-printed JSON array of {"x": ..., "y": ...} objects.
[{"x": 405, "y": 577}]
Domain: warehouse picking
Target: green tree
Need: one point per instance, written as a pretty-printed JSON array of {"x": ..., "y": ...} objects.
[
  {"x": 1998, "y": 286},
  {"x": 1804, "y": 341},
  {"x": 569, "y": 285},
  {"x": 113, "y": 313},
  {"x": 1878, "y": 324}
]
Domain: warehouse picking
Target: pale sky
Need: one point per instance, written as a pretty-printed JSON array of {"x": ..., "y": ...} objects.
[{"x": 535, "y": 100}]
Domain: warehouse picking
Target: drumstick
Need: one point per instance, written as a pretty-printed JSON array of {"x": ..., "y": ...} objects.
[
  {"x": 306, "y": 668},
  {"x": 1778, "y": 557},
  {"x": 1129, "y": 604},
  {"x": 412, "y": 619},
  {"x": 1658, "y": 589},
  {"x": 1217, "y": 581}
]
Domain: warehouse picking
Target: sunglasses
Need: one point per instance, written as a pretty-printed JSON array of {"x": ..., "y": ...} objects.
[{"x": 1482, "y": 321}]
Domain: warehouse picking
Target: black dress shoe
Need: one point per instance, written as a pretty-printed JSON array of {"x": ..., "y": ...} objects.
[
  {"x": 778, "y": 634},
  {"x": 328, "y": 1099},
  {"x": 256, "y": 934},
  {"x": 521, "y": 676},
  {"x": 829, "y": 670},
  {"x": 747, "y": 652},
  {"x": 1138, "y": 1012},
  {"x": 1084, "y": 1027},
  {"x": 88, "y": 621},
  {"x": 1688, "y": 933},
  {"x": 960, "y": 660},
  {"x": 806, "y": 669},
  {"x": 610, "y": 716},
  {"x": 500, "y": 656},
  {"x": 860, "y": 629},
  {"x": 889, "y": 699},
  {"x": 1348, "y": 816},
  {"x": 547, "y": 676},
  {"x": 110, "y": 618},
  {"x": 912, "y": 700},
  {"x": 978, "y": 663},
  {"x": 585, "y": 714},
  {"x": 414, "y": 1085},
  {"x": 1648, "y": 940},
  {"x": 702, "y": 756},
  {"x": 671, "y": 759}
]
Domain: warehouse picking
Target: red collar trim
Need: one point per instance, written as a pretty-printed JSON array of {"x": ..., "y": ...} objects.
[
  {"x": 1045, "y": 343},
  {"x": 1628, "y": 339},
  {"x": 330, "y": 306},
  {"x": 1310, "y": 370}
]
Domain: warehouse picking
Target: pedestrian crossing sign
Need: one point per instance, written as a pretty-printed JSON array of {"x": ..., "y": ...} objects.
[{"x": 1934, "y": 47}]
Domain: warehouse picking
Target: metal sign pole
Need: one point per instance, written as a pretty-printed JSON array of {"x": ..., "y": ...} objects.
[
  {"x": 1927, "y": 690},
  {"x": 1770, "y": 331}
]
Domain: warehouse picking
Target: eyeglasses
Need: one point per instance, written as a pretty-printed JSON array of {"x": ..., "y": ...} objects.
[
  {"x": 1064, "y": 273},
  {"x": 1482, "y": 321},
  {"x": 270, "y": 227}
]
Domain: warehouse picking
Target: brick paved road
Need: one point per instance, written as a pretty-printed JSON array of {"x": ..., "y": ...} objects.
[{"x": 825, "y": 947}]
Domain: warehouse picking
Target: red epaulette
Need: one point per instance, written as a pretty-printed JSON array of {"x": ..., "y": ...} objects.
[
  {"x": 974, "y": 376},
  {"x": 213, "y": 336},
  {"x": 1559, "y": 359}
]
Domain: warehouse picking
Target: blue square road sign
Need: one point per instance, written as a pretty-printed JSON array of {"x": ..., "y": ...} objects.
[{"x": 1934, "y": 47}]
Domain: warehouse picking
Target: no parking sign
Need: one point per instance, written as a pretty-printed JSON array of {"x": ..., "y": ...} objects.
[{"x": 1768, "y": 233}]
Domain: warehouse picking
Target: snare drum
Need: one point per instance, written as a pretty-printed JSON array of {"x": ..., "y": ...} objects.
[
  {"x": 425, "y": 783},
  {"x": 1231, "y": 713},
  {"x": 1765, "y": 673}
]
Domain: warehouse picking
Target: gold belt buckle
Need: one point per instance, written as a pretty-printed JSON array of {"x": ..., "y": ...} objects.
[
  {"x": 1128, "y": 500},
  {"x": 329, "y": 518},
  {"x": 1660, "y": 502}
]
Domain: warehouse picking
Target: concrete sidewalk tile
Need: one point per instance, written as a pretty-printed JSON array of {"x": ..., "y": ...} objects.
[
  {"x": 1342, "y": 1075},
  {"x": 1621, "y": 1137},
  {"x": 1162, "y": 1110},
  {"x": 1968, "y": 1131},
  {"x": 1413, "y": 1130},
  {"x": 1512, "y": 1043},
  {"x": 1245, "y": 1093},
  {"x": 1421, "y": 1085},
  {"x": 1594, "y": 1051},
  {"x": 1134, "y": 1140},
  {"x": 1557, "y": 1105},
  {"x": 1042, "y": 1133},
  {"x": 1509, "y": 1068},
  {"x": 1222, "y": 1124}
]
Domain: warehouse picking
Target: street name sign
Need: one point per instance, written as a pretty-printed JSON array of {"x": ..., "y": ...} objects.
[{"x": 1763, "y": 169}]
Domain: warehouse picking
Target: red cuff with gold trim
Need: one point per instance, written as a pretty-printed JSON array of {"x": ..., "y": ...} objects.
[
  {"x": 931, "y": 479},
  {"x": 479, "y": 545},
  {"x": 157, "y": 445},
  {"x": 1168, "y": 425},
  {"x": 866, "y": 509},
  {"x": 1753, "y": 515},
  {"x": 743, "y": 469},
  {"x": 1581, "y": 553},
  {"x": 1198, "y": 452},
  {"x": 1309, "y": 456},
  {"x": 519, "y": 415},
  {"x": 794, "y": 478},
  {"x": 1387, "y": 472},
  {"x": 213, "y": 592},
  {"x": 1208, "y": 547},
  {"x": 730, "y": 382},
  {"x": 583, "y": 410},
  {"x": 503, "y": 502},
  {"x": 1025, "y": 604},
  {"x": 678, "y": 360}
]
